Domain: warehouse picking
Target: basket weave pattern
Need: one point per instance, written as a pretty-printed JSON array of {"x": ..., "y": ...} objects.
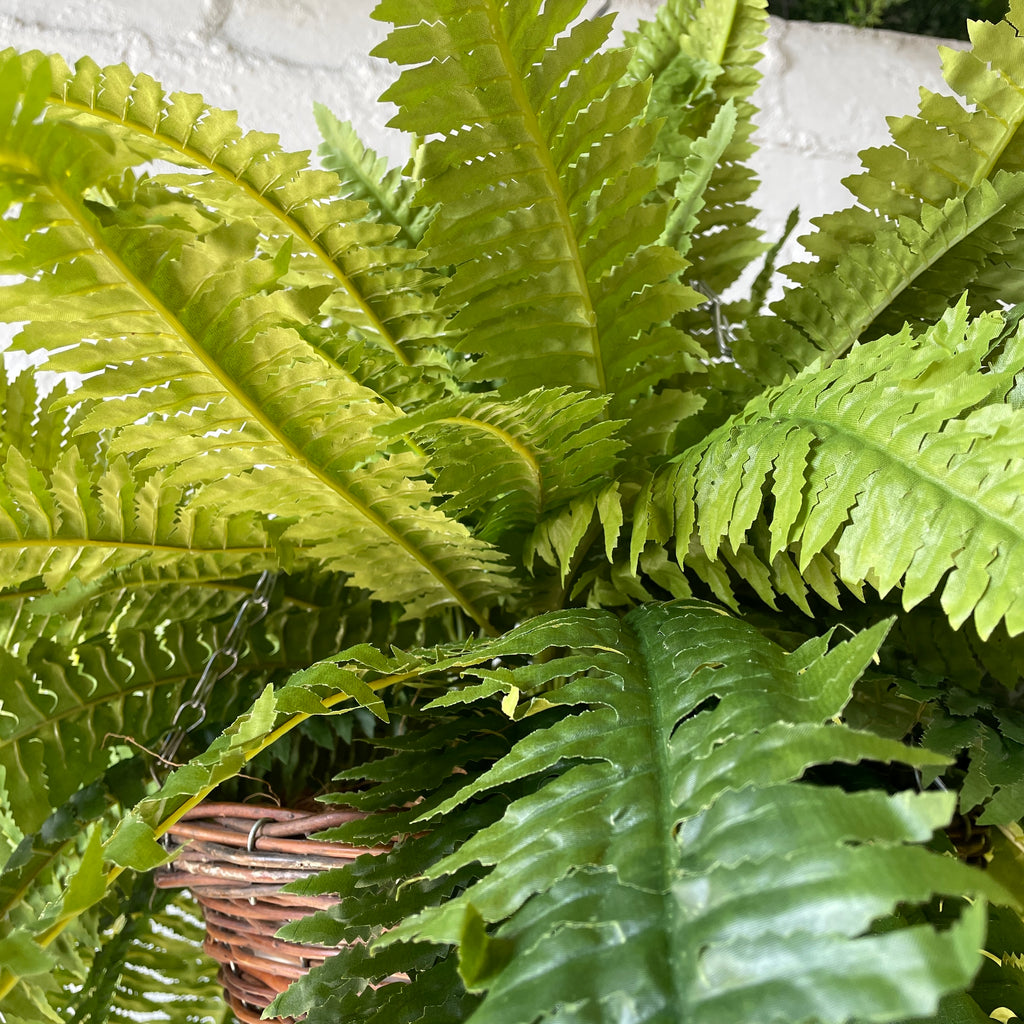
[{"x": 235, "y": 858}]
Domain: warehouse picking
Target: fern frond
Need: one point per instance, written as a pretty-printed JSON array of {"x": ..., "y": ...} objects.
[
  {"x": 38, "y": 432},
  {"x": 252, "y": 176},
  {"x": 509, "y": 464},
  {"x": 907, "y": 272},
  {"x": 533, "y": 149},
  {"x": 193, "y": 330},
  {"x": 56, "y": 708},
  {"x": 702, "y": 59},
  {"x": 133, "y": 843},
  {"x": 138, "y": 597},
  {"x": 77, "y": 524},
  {"x": 940, "y": 211},
  {"x": 79, "y": 701},
  {"x": 900, "y": 462},
  {"x": 422, "y": 767},
  {"x": 39, "y": 857},
  {"x": 155, "y": 947},
  {"x": 670, "y": 874},
  {"x": 366, "y": 177}
]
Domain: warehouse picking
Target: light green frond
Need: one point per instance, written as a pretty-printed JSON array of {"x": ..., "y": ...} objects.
[
  {"x": 248, "y": 175},
  {"x": 509, "y": 464},
  {"x": 200, "y": 367},
  {"x": 77, "y": 524},
  {"x": 908, "y": 271},
  {"x": 702, "y": 59},
  {"x": 900, "y": 463},
  {"x": 940, "y": 210},
  {"x": 672, "y": 877},
  {"x": 534, "y": 151},
  {"x": 366, "y": 177},
  {"x": 563, "y": 539},
  {"x": 39, "y": 433},
  {"x": 691, "y": 185}
]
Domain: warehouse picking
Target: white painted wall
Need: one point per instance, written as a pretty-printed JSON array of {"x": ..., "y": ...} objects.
[{"x": 827, "y": 88}]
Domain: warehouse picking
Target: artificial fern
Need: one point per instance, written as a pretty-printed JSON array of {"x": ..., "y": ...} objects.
[
  {"x": 852, "y": 470},
  {"x": 938, "y": 212},
  {"x": 365, "y": 176},
  {"x": 694, "y": 857},
  {"x": 702, "y": 58},
  {"x": 581, "y": 569},
  {"x": 572, "y": 289}
]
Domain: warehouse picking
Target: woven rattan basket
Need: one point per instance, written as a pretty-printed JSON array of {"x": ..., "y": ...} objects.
[{"x": 235, "y": 858}]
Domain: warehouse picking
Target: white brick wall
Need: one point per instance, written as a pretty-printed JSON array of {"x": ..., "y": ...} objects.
[{"x": 826, "y": 92}]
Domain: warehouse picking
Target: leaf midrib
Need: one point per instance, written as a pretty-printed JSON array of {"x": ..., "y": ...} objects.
[
  {"x": 293, "y": 227},
  {"x": 555, "y": 192},
  {"x": 891, "y": 295},
  {"x": 256, "y": 412},
  {"x": 854, "y": 440}
]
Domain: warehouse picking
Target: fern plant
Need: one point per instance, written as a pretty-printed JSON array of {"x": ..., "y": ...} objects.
[{"x": 674, "y": 640}]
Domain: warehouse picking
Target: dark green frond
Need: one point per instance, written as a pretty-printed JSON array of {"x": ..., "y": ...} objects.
[
  {"x": 78, "y": 703},
  {"x": 152, "y": 950},
  {"x": 671, "y": 873}
]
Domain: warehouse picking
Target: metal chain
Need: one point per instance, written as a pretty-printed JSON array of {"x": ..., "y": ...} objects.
[
  {"x": 252, "y": 610},
  {"x": 724, "y": 334}
]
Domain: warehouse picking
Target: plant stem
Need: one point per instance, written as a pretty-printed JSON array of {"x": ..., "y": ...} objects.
[{"x": 9, "y": 980}]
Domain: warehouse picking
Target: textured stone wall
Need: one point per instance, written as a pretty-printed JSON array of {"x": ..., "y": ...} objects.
[{"x": 825, "y": 97}]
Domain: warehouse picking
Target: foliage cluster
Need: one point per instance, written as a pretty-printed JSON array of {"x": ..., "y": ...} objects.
[
  {"x": 948, "y": 19},
  {"x": 675, "y": 640}
]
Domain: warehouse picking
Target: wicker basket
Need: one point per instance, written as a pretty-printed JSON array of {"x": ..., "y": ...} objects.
[{"x": 235, "y": 858}]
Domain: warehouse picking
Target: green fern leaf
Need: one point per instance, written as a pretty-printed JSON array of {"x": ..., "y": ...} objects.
[
  {"x": 702, "y": 58},
  {"x": 38, "y": 857},
  {"x": 669, "y": 875},
  {"x": 80, "y": 702},
  {"x": 906, "y": 272},
  {"x": 80, "y": 525},
  {"x": 155, "y": 947},
  {"x": 366, "y": 177},
  {"x": 533, "y": 149},
  {"x": 939, "y": 211},
  {"x": 189, "y": 307},
  {"x": 420, "y": 767},
  {"x": 372, "y": 280},
  {"x": 38, "y": 432},
  {"x": 54, "y": 709},
  {"x": 912, "y": 480},
  {"x": 510, "y": 464}
]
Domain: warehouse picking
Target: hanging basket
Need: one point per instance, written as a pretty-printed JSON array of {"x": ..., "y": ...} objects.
[{"x": 235, "y": 858}]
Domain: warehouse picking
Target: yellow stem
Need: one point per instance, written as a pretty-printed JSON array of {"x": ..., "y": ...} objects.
[{"x": 46, "y": 938}]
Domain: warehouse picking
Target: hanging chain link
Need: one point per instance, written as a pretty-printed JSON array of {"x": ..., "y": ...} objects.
[
  {"x": 724, "y": 335},
  {"x": 222, "y": 661}
]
